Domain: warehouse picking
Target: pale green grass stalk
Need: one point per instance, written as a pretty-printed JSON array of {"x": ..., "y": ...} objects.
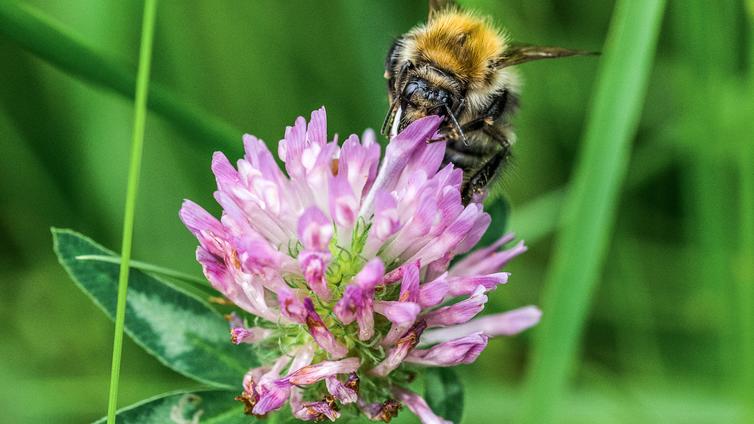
[
  {"x": 64, "y": 49},
  {"x": 137, "y": 145},
  {"x": 591, "y": 202},
  {"x": 746, "y": 240}
]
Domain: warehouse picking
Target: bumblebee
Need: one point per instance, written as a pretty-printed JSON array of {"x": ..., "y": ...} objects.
[{"x": 458, "y": 66}]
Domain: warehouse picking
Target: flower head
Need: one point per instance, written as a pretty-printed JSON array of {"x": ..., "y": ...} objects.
[{"x": 343, "y": 264}]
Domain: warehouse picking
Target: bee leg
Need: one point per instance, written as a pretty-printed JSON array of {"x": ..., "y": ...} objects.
[
  {"x": 456, "y": 131},
  {"x": 476, "y": 185},
  {"x": 478, "y": 123},
  {"x": 504, "y": 103},
  {"x": 471, "y": 126}
]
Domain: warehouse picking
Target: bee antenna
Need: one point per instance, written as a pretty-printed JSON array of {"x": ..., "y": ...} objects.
[{"x": 456, "y": 125}]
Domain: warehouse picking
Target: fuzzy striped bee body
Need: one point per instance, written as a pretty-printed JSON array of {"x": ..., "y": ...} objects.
[{"x": 458, "y": 66}]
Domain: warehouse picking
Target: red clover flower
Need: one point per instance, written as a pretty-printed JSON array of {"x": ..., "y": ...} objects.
[{"x": 342, "y": 269}]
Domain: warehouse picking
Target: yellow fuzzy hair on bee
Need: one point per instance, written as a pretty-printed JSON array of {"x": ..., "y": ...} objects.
[{"x": 461, "y": 43}]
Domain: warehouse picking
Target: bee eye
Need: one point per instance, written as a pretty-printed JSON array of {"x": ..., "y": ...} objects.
[{"x": 410, "y": 88}]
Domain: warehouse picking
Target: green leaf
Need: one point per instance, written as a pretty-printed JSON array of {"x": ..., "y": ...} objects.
[
  {"x": 444, "y": 393},
  {"x": 180, "y": 330},
  {"x": 186, "y": 407},
  {"x": 196, "y": 285},
  {"x": 65, "y": 49},
  {"x": 499, "y": 210}
]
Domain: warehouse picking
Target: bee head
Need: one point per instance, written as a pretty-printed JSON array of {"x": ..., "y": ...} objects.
[
  {"x": 420, "y": 94},
  {"x": 430, "y": 91}
]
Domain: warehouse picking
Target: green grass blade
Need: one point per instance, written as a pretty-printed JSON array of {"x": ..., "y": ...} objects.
[
  {"x": 63, "y": 48},
  {"x": 746, "y": 241},
  {"x": 137, "y": 145},
  {"x": 591, "y": 201}
]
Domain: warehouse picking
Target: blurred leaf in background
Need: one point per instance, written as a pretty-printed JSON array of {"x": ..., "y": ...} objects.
[{"x": 666, "y": 339}]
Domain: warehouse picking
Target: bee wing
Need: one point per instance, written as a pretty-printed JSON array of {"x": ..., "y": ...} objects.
[
  {"x": 437, "y": 5},
  {"x": 522, "y": 53}
]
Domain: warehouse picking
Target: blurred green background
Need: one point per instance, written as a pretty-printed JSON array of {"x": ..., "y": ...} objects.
[{"x": 670, "y": 320}]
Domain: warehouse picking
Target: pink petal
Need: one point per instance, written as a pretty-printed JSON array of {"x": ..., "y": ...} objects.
[
  {"x": 397, "y": 312},
  {"x": 317, "y": 411},
  {"x": 358, "y": 297},
  {"x": 410, "y": 284},
  {"x": 386, "y": 221},
  {"x": 451, "y": 353},
  {"x": 225, "y": 175},
  {"x": 433, "y": 293},
  {"x": 199, "y": 221},
  {"x": 316, "y": 131},
  {"x": 450, "y": 237},
  {"x": 466, "y": 285},
  {"x": 272, "y": 396},
  {"x": 320, "y": 371},
  {"x": 476, "y": 233},
  {"x": 502, "y": 324},
  {"x": 321, "y": 334},
  {"x": 291, "y": 148},
  {"x": 458, "y": 313},
  {"x": 313, "y": 265},
  {"x": 291, "y": 306},
  {"x": 344, "y": 205},
  {"x": 215, "y": 270},
  {"x": 401, "y": 314},
  {"x": 260, "y": 157},
  {"x": 344, "y": 393},
  {"x": 314, "y": 229},
  {"x": 418, "y": 406},
  {"x": 240, "y": 335},
  {"x": 397, "y": 354},
  {"x": 257, "y": 256},
  {"x": 358, "y": 162},
  {"x": 398, "y": 154},
  {"x": 485, "y": 261},
  {"x": 304, "y": 356}
]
